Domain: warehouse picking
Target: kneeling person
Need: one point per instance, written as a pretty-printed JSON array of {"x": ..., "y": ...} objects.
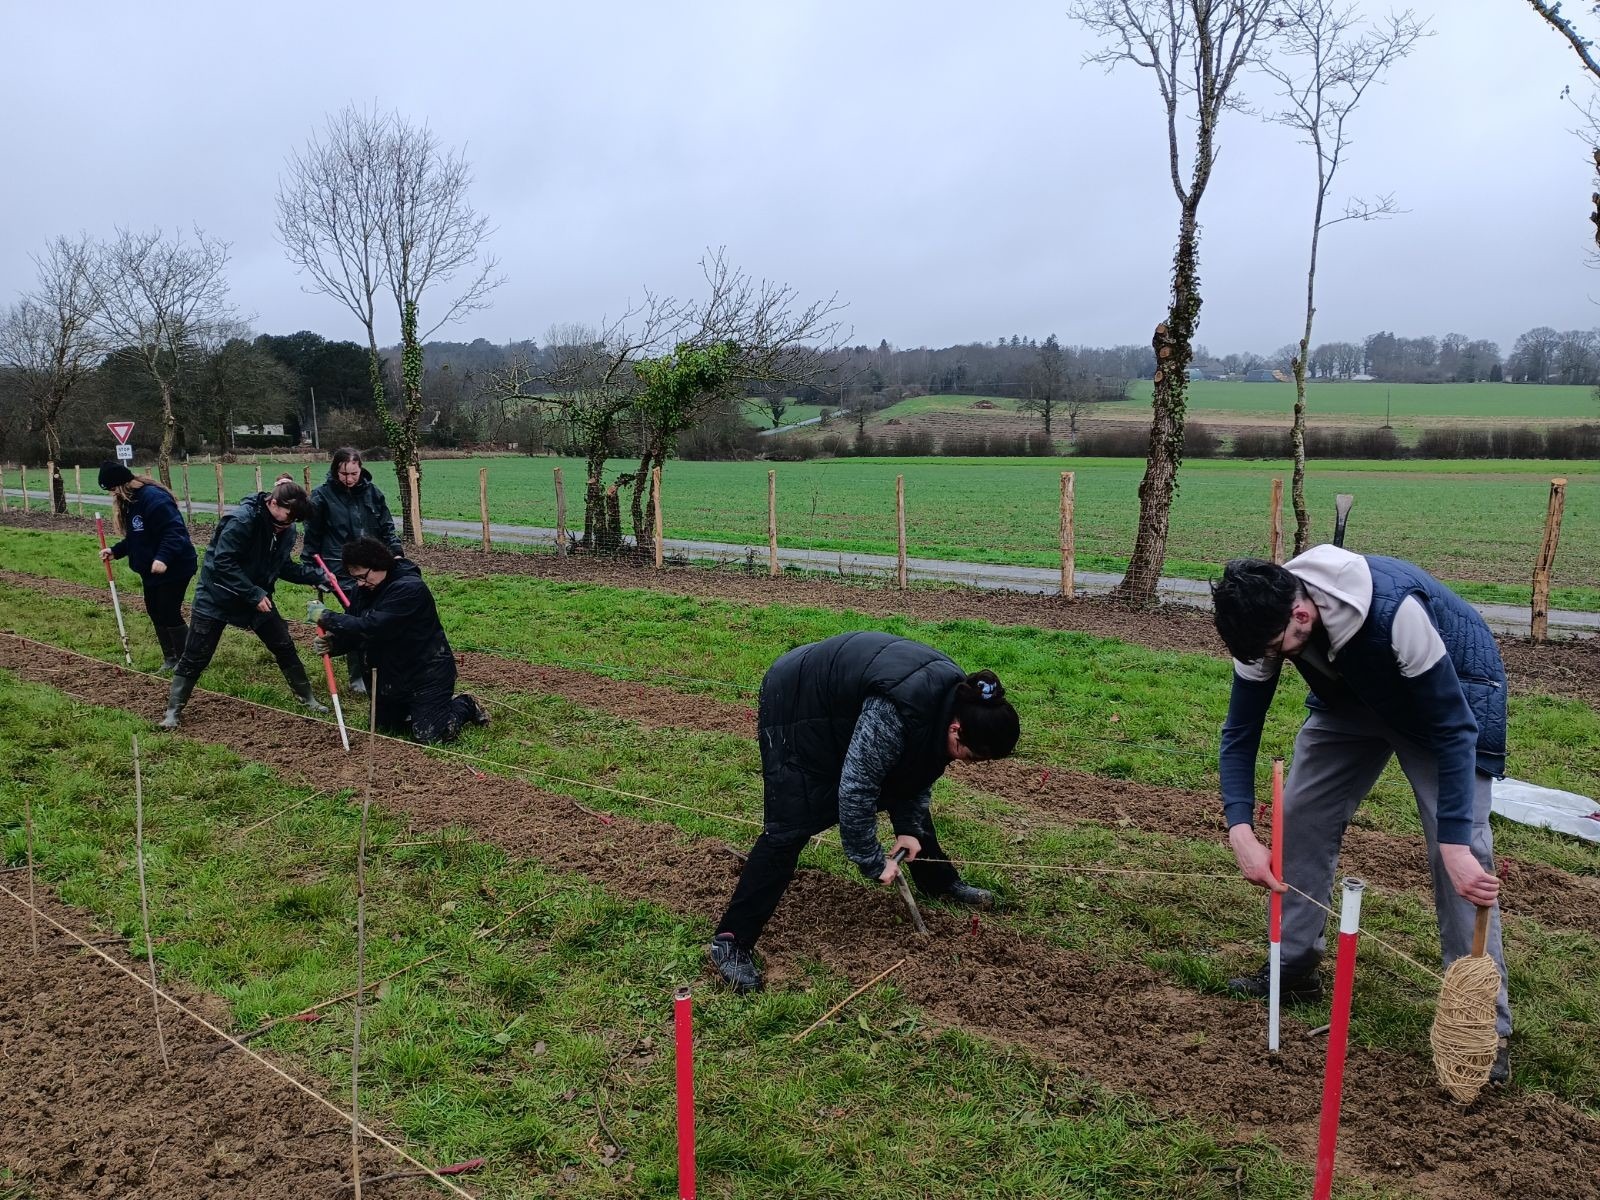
[
  {"x": 395, "y": 626},
  {"x": 849, "y": 726}
]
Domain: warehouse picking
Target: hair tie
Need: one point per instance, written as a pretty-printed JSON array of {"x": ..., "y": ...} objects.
[{"x": 987, "y": 689}]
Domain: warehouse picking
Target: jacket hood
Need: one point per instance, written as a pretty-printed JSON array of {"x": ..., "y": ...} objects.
[{"x": 1340, "y": 585}]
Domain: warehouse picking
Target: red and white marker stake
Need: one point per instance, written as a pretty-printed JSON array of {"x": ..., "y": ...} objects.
[
  {"x": 1344, "y": 978},
  {"x": 1275, "y": 916},
  {"x": 116, "y": 603},
  {"x": 683, "y": 1025},
  {"x": 327, "y": 660}
]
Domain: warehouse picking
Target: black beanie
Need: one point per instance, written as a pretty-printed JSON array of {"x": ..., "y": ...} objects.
[{"x": 114, "y": 474}]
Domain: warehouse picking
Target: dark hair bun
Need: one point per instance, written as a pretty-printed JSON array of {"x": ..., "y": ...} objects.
[{"x": 981, "y": 687}]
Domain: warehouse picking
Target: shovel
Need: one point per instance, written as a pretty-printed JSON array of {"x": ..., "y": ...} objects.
[{"x": 905, "y": 893}]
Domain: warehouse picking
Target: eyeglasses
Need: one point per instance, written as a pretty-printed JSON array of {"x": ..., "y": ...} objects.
[{"x": 360, "y": 576}]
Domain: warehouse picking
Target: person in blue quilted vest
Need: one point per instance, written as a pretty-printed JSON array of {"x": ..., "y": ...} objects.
[{"x": 1398, "y": 667}]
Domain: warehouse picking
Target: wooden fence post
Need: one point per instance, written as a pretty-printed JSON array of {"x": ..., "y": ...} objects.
[
  {"x": 655, "y": 503},
  {"x": 305, "y": 473},
  {"x": 561, "y": 514},
  {"x": 188, "y": 507},
  {"x": 483, "y": 504},
  {"x": 772, "y": 524},
  {"x": 900, "y": 524},
  {"x": 23, "y": 468},
  {"x": 1275, "y": 536},
  {"x": 77, "y": 485},
  {"x": 258, "y": 476},
  {"x": 1069, "y": 587},
  {"x": 5, "y": 500},
  {"x": 1547, "y": 556},
  {"x": 222, "y": 501},
  {"x": 50, "y": 486},
  {"x": 414, "y": 479}
]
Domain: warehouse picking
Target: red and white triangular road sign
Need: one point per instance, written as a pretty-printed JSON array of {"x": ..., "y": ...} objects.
[{"x": 120, "y": 430}]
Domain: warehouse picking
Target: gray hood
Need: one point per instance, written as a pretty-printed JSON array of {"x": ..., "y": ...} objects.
[{"x": 1340, "y": 584}]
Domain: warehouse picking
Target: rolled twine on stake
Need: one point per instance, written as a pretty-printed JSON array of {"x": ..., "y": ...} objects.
[{"x": 1464, "y": 1037}]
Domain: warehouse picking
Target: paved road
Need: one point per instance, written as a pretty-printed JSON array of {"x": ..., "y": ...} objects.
[{"x": 1044, "y": 581}]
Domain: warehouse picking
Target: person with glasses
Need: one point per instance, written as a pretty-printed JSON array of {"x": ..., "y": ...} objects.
[
  {"x": 251, "y": 549},
  {"x": 851, "y": 726},
  {"x": 394, "y": 623},
  {"x": 347, "y": 506}
]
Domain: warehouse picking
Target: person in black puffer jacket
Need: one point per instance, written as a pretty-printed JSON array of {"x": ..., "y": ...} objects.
[
  {"x": 394, "y": 623},
  {"x": 347, "y": 506},
  {"x": 251, "y": 549},
  {"x": 859, "y": 723},
  {"x": 155, "y": 541}
]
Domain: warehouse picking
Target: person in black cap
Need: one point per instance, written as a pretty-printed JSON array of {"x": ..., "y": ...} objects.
[{"x": 155, "y": 541}]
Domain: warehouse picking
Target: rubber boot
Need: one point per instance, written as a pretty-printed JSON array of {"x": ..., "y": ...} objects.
[
  {"x": 172, "y": 638},
  {"x": 357, "y": 664},
  {"x": 301, "y": 688},
  {"x": 177, "y": 697}
]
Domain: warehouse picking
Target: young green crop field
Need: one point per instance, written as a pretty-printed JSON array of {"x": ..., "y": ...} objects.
[
  {"x": 1475, "y": 525},
  {"x": 1403, "y": 404}
]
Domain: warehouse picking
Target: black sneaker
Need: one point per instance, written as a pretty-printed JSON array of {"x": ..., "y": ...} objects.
[
  {"x": 480, "y": 714},
  {"x": 1501, "y": 1071},
  {"x": 1300, "y": 986},
  {"x": 735, "y": 965},
  {"x": 968, "y": 896}
]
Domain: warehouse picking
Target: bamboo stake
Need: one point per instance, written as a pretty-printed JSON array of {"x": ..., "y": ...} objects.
[
  {"x": 188, "y": 506},
  {"x": 414, "y": 477},
  {"x": 33, "y": 913},
  {"x": 561, "y": 513},
  {"x": 900, "y": 524},
  {"x": 772, "y": 524},
  {"x": 144, "y": 898},
  {"x": 77, "y": 485},
  {"x": 1275, "y": 536},
  {"x": 1547, "y": 556},
  {"x": 483, "y": 504},
  {"x": 258, "y": 476},
  {"x": 361, "y": 926},
  {"x": 655, "y": 503},
  {"x": 850, "y": 997},
  {"x": 222, "y": 502},
  {"x": 1069, "y": 560}
]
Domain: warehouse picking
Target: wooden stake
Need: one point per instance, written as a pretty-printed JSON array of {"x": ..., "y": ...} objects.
[
  {"x": 561, "y": 513},
  {"x": 655, "y": 503},
  {"x": 33, "y": 912},
  {"x": 5, "y": 500},
  {"x": 258, "y": 476},
  {"x": 1547, "y": 556},
  {"x": 900, "y": 524},
  {"x": 305, "y": 473},
  {"x": 1069, "y": 560},
  {"x": 77, "y": 485},
  {"x": 50, "y": 486},
  {"x": 414, "y": 477},
  {"x": 144, "y": 899},
  {"x": 361, "y": 927},
  {"x": 850, "y": 997},
  {"x": 222, "y": 503},
  {"x": 23, "y": 468},
  {"x": 772, "y": 524},
  {"x": 483, "y": 504},
  {"x": 1275, "y": 536}
]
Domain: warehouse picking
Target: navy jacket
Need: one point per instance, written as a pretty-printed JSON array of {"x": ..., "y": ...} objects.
[
  {"x": 244, "y": 562},
  {"x": 396, "y": 626},
  {"x": 1400, "y": 645},
  {"x": 156, "y": 530},
  {"x": 344, "y": 514}
]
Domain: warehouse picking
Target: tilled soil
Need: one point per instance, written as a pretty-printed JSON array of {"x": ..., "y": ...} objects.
[
  {"x": 1184, "y": 1053},
  {"x": 90, "y": 1112}
]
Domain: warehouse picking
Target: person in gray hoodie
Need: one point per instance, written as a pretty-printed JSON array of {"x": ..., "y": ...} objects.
[{"x": 1398, "y": 666}]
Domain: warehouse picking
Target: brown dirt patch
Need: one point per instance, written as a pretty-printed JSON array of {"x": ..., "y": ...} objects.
[
  {"x": 1127, "y": 1028},
  {"x": 90, "y": 1112}
]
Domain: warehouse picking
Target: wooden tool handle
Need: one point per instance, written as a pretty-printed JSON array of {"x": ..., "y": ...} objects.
[
  {"x": 1480, "y": 933},
  {"x": 898, "y": 856}
]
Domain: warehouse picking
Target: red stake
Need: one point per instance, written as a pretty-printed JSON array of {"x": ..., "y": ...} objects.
[
  {"x": 1344, "y": 978},
  {"x": 1275, "y": 912},
  {"x": 683, "y": 1023}
]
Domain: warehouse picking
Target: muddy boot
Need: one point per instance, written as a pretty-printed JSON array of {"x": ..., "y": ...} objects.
[
  {"x": 357, "y": 664},
  {"x": 172, "y": 638},
  {"x": 177, "y": 697},
  {"x": 301, "y": 687}
]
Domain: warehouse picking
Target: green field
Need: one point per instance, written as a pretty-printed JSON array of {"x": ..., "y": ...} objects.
[
  {"x": 1406, "y": 404},
  {"x": 762, "y": 419},
  {"x": 1469, "y": 523}
]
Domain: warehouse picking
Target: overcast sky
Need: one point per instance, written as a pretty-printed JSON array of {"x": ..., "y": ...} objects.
[{"x": 952, "y": 170}]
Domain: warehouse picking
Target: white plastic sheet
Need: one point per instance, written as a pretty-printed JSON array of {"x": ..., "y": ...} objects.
[{"x": 1530, "y": 804}]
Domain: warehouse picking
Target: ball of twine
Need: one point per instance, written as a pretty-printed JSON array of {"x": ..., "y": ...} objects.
[{"x": 1464, "y": 1038}]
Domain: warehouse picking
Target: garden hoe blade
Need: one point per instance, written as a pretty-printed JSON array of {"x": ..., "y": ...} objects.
[
  {"x": 905, "y": 894},
  {"x": 1341, "y": 513}
]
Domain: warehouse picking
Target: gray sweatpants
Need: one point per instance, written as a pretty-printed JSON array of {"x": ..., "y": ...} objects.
[{"x": 1337, "y": 759}]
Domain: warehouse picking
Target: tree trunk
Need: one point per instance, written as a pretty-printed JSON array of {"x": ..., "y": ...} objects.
[
  {"x": 52, "y": 450},
  {"x": 1297, "y": 445},
  {"x": 1174, "y": 347},
  {"x": 169, "y": 434},
  {"x": 403, "y": 434}
]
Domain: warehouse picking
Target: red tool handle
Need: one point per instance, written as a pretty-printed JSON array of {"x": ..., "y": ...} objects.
[
  {"x": 337, "y": 590},
  {"x": 1275, "y": 904},
  {"x": 100, "y": 528},
  {"x": 683, "y": 1023}
]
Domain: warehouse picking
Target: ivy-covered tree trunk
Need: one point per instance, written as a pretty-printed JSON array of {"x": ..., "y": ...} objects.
[
  {"x": 169, "y": 435},
  {"x": 401, "y": 433},
  {"x": 1174, "y": 347},
  {"x": 52, "y": 449}
]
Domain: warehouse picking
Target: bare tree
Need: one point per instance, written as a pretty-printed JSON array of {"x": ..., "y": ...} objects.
[
  {"x": 1046, "y": 377},
  {"x": 1196, "y": 49},
  {"x": 375, "y": 205},
  {"x": 1329, "y": 55},
  {"x": 1584, "y": 48},
  {"x": 155, "y": 299},
  {"x": 50, "y": 341}
]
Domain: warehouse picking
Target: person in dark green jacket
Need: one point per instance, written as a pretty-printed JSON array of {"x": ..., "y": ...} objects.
[
  {"x": 348, "y": 506},
  {"x": 252, "y": 548}
]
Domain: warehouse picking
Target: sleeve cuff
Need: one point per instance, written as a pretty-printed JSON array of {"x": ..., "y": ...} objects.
[
  {"x": 1455, "y": 831},
  {"x": 1239, "y": 812}
]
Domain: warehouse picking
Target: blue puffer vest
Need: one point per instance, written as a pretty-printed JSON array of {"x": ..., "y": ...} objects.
[{"x": 1367, "y": 665}]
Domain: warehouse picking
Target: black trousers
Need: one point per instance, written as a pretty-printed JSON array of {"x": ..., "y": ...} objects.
[
  {"x": 163, "y": 597},
  {"x": 429, "y": 713},
  {"x": 206, "y": 632},
  {"x": 771, "y": 866}
]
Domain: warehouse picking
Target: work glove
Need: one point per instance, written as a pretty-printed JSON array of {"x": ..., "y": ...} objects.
[
  {"x": 320, "y": 644},
  {"x": 314, "y": 610}
]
